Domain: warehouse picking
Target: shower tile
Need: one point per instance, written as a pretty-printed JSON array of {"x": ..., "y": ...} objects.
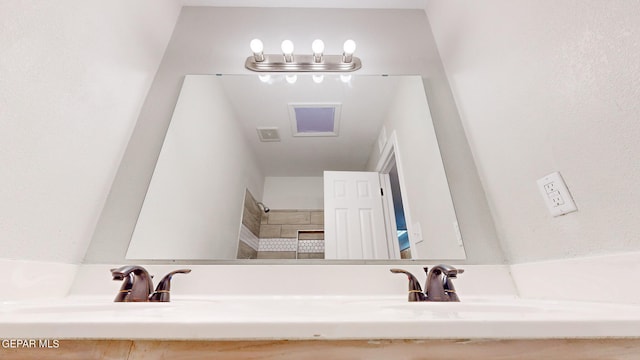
[
  {"x": 250, "y": 204},
  {"x": 317, "y": 217},
  {"x": 311, "y": 235},
  {"x": 311, "y": 255},
  {"x": 291, "y": 231},
  {"x": 311, "y": 246},
  {"x": 276, "y": 254},
  {"x": 278, "y": 244},
  {"x": 246, "y": 252},
  {"x": 248, "y": 237},
  {"x": 251, "y": 214},
  {"x": 289, "y": 217},
  {"x": 270, "y": 231},
  {"x": 251, "y": 221}
]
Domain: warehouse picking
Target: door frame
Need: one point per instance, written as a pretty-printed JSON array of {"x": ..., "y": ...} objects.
[
  {"x": 389, "y": 156},
  {"x": 391, "y": 236}
]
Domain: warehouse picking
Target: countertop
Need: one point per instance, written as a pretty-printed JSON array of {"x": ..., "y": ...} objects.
[{"x": 315, "y": 317}]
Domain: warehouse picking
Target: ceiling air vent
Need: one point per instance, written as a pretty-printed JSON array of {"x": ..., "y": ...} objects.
[
  {"x": 267, "y": 134},
  {"x": 314, "y": 119}
]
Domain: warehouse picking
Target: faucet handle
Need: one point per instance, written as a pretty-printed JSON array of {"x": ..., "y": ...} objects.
[
  {"x": 415, "y": 291},
  {"x": 162, "y": 292}
]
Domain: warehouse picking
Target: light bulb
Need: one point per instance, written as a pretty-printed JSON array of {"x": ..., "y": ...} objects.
[
  {"x": 287, "y": 47},
  {"x": 349, "y": 47},
  {"x": 256, "y": 46},
  {"x": 317, "y": 46},
  {"x": 291, "y": 79},
  {"x": 265, "y": 78},
  {"x": 317, "y": 78},
  {"x": 287, "y": 50}
]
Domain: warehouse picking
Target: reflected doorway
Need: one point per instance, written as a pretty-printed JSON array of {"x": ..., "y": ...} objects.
[
  {"x": 395, "y": 202},
  {"x": 398, "y": 210}
]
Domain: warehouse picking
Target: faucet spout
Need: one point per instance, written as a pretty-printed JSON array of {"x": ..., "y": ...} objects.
[
  {"x": 439, "y": 284},
  {"x": 137, "y": 284}
]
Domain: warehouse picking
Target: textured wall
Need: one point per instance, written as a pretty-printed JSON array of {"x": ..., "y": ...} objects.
[
  {"x": 547, "y": 86},
  {"x": 73, "y": 76}
]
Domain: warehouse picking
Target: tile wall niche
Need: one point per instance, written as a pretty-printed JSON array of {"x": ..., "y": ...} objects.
[
  {"x": 285, "y": 234},
  {"x": 280, "y": 234}
]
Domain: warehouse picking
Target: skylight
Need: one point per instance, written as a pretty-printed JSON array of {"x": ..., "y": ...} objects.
[{"x": 315, "y": 119}]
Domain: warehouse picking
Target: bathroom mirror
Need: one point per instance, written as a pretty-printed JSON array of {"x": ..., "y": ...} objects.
[{"x": 253, "y": 166}]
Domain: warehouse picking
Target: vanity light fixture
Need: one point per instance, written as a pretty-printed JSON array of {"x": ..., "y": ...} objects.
[{"x": 316, "y": 62}]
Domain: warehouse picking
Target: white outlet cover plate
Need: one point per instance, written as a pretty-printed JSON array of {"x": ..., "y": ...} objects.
[{"x": 556, "y": 195}]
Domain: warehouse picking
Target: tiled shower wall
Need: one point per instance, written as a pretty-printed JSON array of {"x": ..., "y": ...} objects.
[
  {"x": 279, "y": 233},
  {"x": 274, "y": 235},
  {"x": 248, "y": 244}
]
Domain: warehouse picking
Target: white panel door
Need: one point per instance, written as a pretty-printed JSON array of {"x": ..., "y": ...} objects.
[{"x": 353, "y": 218}]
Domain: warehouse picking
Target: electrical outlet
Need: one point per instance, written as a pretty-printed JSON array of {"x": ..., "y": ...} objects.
[
  {"x": 550, "y": 187},
  {"x": 556, "y": 198},
  {"x": 556, "y": 195}
]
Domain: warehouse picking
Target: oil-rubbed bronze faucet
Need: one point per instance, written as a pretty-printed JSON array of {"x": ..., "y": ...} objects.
[
  {"x": 137, "y": 285},
  {"x": 438, "y": 287}
]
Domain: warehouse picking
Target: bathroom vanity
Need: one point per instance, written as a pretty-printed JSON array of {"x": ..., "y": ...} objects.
[{"x": 341, "y": 311}]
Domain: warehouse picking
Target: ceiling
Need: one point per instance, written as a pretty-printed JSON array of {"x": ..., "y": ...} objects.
[
  {"x": 364, "y": 100},
  {"x": 336, "y": 4}
]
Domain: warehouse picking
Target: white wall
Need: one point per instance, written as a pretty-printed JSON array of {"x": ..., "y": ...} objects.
[
  {"x": 193, "y": 208},
  {"x": 547, "y": 86},
  {"x": 427, "y": 200},
  {"x": 210, "y": 40},
  {"x": 302, "y": 192},
  {"x": 73, "y": 76}
]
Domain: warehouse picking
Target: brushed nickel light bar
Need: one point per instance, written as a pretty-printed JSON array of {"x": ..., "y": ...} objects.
[{"x": 316, "y": 62}]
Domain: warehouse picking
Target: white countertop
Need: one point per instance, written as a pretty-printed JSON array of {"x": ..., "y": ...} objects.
[
  {"x": 314, "y": 317},
  {"x": 252, "y": 302}
]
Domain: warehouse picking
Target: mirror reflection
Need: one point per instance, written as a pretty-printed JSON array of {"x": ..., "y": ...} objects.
[{"x": 299, "y": 167}]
